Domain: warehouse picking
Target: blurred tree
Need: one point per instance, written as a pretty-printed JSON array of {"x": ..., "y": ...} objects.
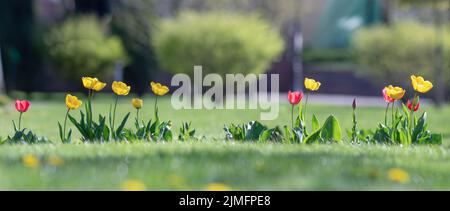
[
  {"x": 440, "y": 14},
  {"x": 20, "y": 61},
  {"x": 100, "y": 7},
  {"x": 132, "y": 21},
  {"x": 2, "y": 80},
  {"x": 222, "y": 43},
  {"x": 81, "y": 46}
]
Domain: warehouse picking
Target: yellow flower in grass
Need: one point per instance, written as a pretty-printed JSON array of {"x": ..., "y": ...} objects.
[
  {"x": 30, "y": 161},
  {"x": 137, "y": 103},
  {"x": 217, "y": 187},
  {"x": 120, "y": 88},
  {"x": 398, "y": 175},
  {"x": 311, "y": 84},
  {"x": 73, "y": 102},
  {"x": 133, "y": 185},
  {"x": 159, "y": 89},
  {"x": 55, "y": 160},
  {"x": 420, "y": 85},
  {"x": 395, "y": 93},
  {"x": 93, "y": 84}
]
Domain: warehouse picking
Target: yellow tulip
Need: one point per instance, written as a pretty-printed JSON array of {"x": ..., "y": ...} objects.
[
  {"x": 137, "y": 103},
  {"x": 159, "y": 89},
  {"x": 311, "y": 84},
  {"x": 73, "y": 102},
  {"x": 395, "y": 93},
  {"x": 99, "y": 86},
  {"x": 120, "y": 88},
  {"x": 420, "y": 85},
  {"x": 93, "y": 84}
]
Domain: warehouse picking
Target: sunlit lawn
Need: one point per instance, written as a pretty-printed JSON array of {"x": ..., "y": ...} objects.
[{"x": 242, "y": 166}]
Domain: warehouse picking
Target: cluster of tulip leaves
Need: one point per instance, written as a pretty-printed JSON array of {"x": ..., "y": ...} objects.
[
  {"x": 330, "y": 131},
  {"x": 253, "y": 131},
  {"x": 150, "y": 131},
  {"x": 186, "y": 132},
  {"x": 24, "y": 136},
  {"x": 120, "y": 133},
  {"x": 90, "y": 130},
  {"x": 67, "y": 139},
  {"x": 399, "y": 131}
]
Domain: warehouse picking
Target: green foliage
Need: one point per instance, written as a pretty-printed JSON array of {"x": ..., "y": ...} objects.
[
  {"x": 80, "y": 47},
  {"x": 186, "y": 132},
  {"x": 222, "y": 43},
  {"x": 399, "y": 50},
  {"x": 252, "y": 131},
  {"x": 91, "y": 130},
  {"x": 4, "y": 100},
  {"x": 152, "y": 131},
  {"x": 65, "y": 139},
  {"x": 329, "y": 132},
  {"x": 400, "y": 132},
  {"x": 24, "y": 136}
]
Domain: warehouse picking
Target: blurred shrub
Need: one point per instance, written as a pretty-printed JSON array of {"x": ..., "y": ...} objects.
[
  {"x": 390, "y": 54},
  {"x": 4, "y": 100},
  {"x": 221, "y": 43},
  {"x": 80, "y": 47}
]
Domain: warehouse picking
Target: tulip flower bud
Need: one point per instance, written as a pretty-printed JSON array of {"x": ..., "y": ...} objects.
[{"x": 354, "y": 104}]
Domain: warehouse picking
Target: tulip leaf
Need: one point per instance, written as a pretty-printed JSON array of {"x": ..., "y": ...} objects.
[
  {"x": 331, "y": 130},
  {"x": 436, "y": 139},
  {"x": 313, "y": 138},
  {"x": 298, "y": 135},
  {"x": 61, "y": 133},
  {"x": 315, "y": 123},
  {"x": 122, "y": 125}
]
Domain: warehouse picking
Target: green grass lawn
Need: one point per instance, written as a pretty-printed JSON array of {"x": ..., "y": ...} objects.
[{"x": 242, "y": 166}]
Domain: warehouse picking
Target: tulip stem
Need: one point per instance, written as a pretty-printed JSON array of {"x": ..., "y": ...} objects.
[
  {"x": 385, "y": 114},
  {"x": 65, "y": 121},
  {"x": 156, "y": 108},
  {"x": 137, "y": 115},
  {"x": 306, "y": 104},
  {"x": 89, "y": 112},
  {"x": 411, "y": 120},
  {"x": 393, "y": 123},
  {"x": 292, "y": 116},
  {"x": 114, "y": 113},
  {"x": 393, "y": 115},
  {"x": 20, "y": 119}
]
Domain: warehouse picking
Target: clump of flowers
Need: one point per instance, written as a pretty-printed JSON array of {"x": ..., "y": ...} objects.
[
  {"x": 120, "y": 89},
  {"x": 23, "y": 135},
  {"x": 404, "y": 129},
  {"x": 72, "y": 103},
  {"x": 330, "y": 131},
  {"x": 153, "y": 130},
  {"x": 90, "y": 130}
]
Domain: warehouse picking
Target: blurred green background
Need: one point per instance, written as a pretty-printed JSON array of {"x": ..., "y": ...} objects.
[{"x": 367, "y": 43}]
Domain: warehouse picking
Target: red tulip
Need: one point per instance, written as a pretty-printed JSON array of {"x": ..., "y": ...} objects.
[
  {"x": 410, "y": 105},
  {"x": 295, "y": 97},
  {"x": 22, "y": 105},
  {"x": 386, "y": 97}
]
